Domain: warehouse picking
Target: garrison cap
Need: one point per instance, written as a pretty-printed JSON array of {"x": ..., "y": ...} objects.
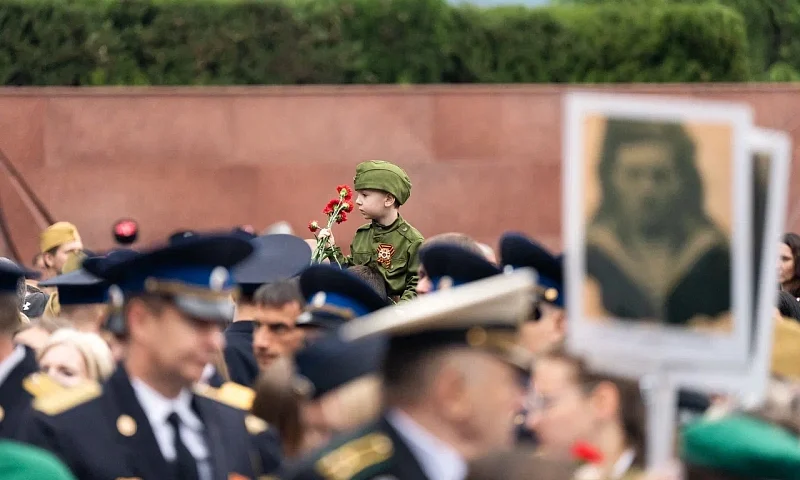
[
  {"x": 334, "y": 296},
  {"x": 483, "y": 315},
  {"x": 276, "y": 257},
  {"x": 58, "y": 234},
  {"x": 743, "y": 447},
  {"x": 192, "y": 271},
  {"x": 330, "y": 363},
  {"x": 385, "y": 176},
  {"x": 457, "y": 264},
  {"x": 517, "y": 251}
]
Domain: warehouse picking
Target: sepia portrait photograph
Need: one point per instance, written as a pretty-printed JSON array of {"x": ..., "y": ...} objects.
[{"x": 659, "y": 201}]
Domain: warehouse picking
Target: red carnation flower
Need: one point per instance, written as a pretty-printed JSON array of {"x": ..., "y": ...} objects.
[
  {"x": 586, "y": 453},
  {"x": 331, "y": 207},
  {"x": 342, "y": 217},
  {"x": 345, "y": 192},
  {"x": 347, "y": 207},
  {"x": 313, "y": 226}
]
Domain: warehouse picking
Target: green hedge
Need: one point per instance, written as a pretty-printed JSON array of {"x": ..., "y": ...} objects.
[
  {"x": 773, "y": 30},
  {"x": 228, "y": 42}
]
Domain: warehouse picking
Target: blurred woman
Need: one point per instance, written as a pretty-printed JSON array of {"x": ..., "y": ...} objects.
[
  {"x": 789, "y": 264},
  {"x": 571, "y": 405},
  {"x": 71, "y": 357}
]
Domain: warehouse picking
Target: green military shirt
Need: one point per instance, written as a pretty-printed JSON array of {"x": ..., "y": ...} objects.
[{"x": 392, "y": 250}]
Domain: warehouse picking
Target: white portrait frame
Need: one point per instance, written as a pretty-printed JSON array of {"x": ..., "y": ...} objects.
[
  {"x": 750, "y": 385},
  {"x": 665, "y": 346}
]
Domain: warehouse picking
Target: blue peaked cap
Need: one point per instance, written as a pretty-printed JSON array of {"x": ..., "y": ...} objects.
[
  {"x": 334, "y": 296},
  {"x": 11, "y": 274},
  {"x": 276, "y": 257},
  {"x": 193, "y": 271},
  {"x": 456, "y": 263},
  {"x": 518, "y": 251},
  {"x": 78, "y": 288},
  {"x": 331, "y": 362}
]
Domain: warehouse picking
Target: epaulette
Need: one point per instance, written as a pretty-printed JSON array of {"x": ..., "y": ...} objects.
[
  {"x": 355, "y": 456},
  {"x": 364, "y": 227},
  {"x": 40, "y": 385},
  {"x": 231, "y": 394},
  {"x": 68, "y": 398}
]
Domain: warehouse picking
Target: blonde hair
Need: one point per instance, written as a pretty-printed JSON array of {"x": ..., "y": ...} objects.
[{"x": 94, "y": 350}]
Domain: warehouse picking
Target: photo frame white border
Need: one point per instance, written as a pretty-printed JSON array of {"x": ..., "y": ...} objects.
[
  {"x": 750, "y": 385},
  {"x": 667, "y": 347}
]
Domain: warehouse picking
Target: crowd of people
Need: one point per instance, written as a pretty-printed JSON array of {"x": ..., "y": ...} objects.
[{"x": 231, "y": 355}]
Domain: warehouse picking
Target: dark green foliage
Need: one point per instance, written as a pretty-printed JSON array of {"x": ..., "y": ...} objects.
[{"x": 230, "y": 42}]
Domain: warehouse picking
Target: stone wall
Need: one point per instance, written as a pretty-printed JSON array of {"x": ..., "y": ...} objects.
[{"x": 482, "y": 159}]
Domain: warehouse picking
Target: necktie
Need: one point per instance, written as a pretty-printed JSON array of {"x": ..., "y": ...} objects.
[{"x": 185, "y": 465}]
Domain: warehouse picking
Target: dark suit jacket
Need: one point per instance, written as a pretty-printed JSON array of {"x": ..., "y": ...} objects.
[
  {"x": 242, "y": 364},
  {"x": 14, "y": 399},
  {"x": 400, "y": 464},
  {"x": 89, "y": 439}
]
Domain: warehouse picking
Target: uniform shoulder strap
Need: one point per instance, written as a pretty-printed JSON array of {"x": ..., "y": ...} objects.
[
  {"x": 230, "y": 393},
  {"x": 364, "y": 227},
  {"x": 68, "y": 398},
  {"x": 355, "y": 456}
]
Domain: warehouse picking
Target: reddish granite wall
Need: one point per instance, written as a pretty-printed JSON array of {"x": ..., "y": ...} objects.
[{"x": 482, "y": 159}]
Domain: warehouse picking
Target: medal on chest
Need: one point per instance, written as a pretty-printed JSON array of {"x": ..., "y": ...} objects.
[{"x": 384, "y": 254}]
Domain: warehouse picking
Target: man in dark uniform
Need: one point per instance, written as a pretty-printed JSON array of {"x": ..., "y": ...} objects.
[
  {"x": 334, "y": 296},
  {"x": 146, "y": 421},
  {"x": 451, "y": 384},
  {"x": 16, "y": 361},
  {"x": 277, "y": 258}
]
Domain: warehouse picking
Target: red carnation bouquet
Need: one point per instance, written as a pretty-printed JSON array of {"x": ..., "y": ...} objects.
[{"x": 336, "y": 210}]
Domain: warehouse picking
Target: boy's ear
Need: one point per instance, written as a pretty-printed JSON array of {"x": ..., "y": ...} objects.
[{"x": 389, "y": 200}]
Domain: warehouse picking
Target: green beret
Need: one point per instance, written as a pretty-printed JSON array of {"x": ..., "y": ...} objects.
[
  {"x": 380, "y": 175},
  {"x": 742, "y": 446}
]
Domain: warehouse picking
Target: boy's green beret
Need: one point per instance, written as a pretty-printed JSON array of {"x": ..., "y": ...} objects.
[
  {"x": 742, "y": 446},
  {"x": 380, "y": 175}
]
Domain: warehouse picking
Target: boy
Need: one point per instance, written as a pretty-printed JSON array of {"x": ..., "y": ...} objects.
[{"x": 388, "y": 243}]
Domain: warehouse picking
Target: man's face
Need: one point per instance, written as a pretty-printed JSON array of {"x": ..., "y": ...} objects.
[
  {"x": 56, "y": 261},
  {"x": 424, "y": 283},
  {"x": 558, "y": 409},
  {"x": 494, "y": 394},
  {"x": 179, "y": 346},
  {"x": 275, "y": 334}
]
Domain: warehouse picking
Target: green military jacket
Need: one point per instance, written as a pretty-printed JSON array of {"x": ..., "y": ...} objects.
[{"x": 392, "y": 250}]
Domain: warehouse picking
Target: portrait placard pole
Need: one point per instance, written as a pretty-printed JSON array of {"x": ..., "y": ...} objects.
[{"x": 662, "y": 396}]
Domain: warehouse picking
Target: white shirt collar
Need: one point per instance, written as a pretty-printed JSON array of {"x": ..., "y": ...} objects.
[
  {"x": 623, "y": 464},
  {"x": 158, "y": 407},
  {"x": 438, "y": 460},
  {"x": 10, "y": 363}
]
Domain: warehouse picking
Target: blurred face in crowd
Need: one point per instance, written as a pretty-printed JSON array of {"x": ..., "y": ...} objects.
[
  {"x": 480, "y": 395},
  {"x": 373, "y": 204},
  {"x": 174, "y": 344},
  {"x": 785, "y": 263},
  {"x": 559, "y": 411},
  {"x": 65, "y": 364},
  {"x": 275, "y": 334},
  {"x": 55, "y": 261},
  {"x": 38, "y": 264},
  {"x": 424, "y": 284},
  {"x": 647, "y": 182},
  {"x": 539, "y": 335}
]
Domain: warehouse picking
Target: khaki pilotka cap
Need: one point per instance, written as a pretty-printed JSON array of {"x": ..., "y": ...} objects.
[
  {"x": 58, "y": 234},
  {"x": 385, "y": 176}
]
